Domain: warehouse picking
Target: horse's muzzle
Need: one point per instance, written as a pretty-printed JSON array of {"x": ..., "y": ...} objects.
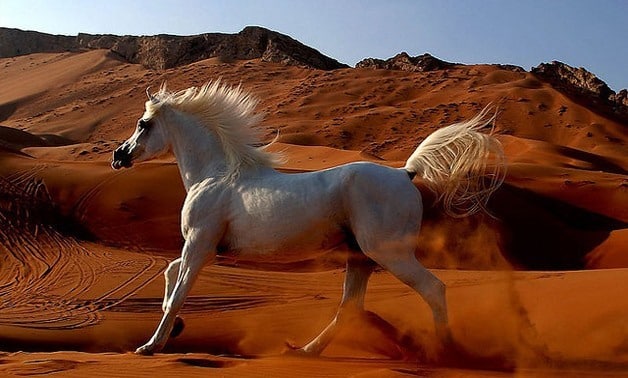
[{"x": 121, "y": 158}]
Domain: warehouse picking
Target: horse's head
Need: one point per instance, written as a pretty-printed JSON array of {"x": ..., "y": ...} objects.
[{"x": 147, "y": 142}]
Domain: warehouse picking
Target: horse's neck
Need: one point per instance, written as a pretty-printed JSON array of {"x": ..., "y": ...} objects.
[{"x": 198, "y": 153}]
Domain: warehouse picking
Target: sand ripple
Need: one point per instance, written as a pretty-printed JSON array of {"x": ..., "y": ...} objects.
[{"x": 49, "y": 279}]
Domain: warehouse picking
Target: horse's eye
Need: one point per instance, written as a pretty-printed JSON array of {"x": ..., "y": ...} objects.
[{"x": 143, "y": 124}]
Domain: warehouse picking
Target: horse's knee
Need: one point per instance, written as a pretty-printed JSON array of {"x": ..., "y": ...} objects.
[
  {"x": 435, "y": 296},
  {"x": 173, "y": 268},
  {"x": 439, "y": 289},
  {"x": 170, "y": 275}
]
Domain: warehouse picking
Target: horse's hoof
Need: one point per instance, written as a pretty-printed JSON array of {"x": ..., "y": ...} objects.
[
  {"x": 145, "y": 350},
  {"x": 178, "y": 327},
  {"x": 293, "y": 350},
  {"x": 290, "y": 345}
]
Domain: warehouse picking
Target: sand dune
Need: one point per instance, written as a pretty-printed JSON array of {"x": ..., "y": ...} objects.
[{"x": 82, "y": 247}]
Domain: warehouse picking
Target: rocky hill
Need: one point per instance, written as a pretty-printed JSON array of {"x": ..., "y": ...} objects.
[
  {"x": 405, "y": 62},
  {"x": 15, "y": 42},
  {"x": 168, "y": 51},
  {"x": 582, "y": 84}
]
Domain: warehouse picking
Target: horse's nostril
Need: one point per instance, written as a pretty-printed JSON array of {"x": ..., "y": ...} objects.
[{"x": 121, "y": 158}]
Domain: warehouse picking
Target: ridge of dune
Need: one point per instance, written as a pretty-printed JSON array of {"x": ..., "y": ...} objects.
[{"x": 31, "y": 75}]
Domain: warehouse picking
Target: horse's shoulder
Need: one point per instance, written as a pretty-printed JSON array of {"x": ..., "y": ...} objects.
[{"x": 203, "y": 197}]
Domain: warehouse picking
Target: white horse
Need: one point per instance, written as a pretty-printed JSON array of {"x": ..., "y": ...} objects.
[{"x": 238, "y": 204}]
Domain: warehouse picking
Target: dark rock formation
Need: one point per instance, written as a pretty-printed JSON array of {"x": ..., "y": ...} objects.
[
  {"x": 420, "y": 63},
  {"x": 621, "y": 97},
  {"x": 405, "y": 62},
  {"x": 577, "y": 80},
  {"x": 167, "y": 51},
  {"x": 584, "y": 85},
  {"x": 14, "y": 42}
]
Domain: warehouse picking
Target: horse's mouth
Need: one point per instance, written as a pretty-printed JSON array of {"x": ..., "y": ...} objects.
[{"x": 122, "y": 158}]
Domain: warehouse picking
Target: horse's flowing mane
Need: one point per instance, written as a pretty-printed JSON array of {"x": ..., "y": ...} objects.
[{"x": 227, "y": 111}]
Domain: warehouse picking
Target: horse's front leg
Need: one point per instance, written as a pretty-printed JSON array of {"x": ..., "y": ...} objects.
[
  {"x": 170, "y": 276},
  {"x": 194, "y": 256}
]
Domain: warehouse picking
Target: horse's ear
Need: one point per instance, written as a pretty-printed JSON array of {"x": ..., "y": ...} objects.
[{"x": 152, "y": 98}]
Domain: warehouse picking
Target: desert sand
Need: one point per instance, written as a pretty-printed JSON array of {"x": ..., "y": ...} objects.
[{"x": 537, "y": 289}]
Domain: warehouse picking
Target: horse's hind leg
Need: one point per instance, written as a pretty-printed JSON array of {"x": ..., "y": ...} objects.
[
  {"x": 359, "y": 269},
  {"x": 410, "y": 271}
]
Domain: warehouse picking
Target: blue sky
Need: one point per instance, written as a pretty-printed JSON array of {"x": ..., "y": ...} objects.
[{"x": 591, "y": 34}]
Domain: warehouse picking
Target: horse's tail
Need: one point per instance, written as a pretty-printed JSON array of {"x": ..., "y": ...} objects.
[{"x": 462, "y": 166}]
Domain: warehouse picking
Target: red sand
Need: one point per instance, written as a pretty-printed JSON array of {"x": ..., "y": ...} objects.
[{"x": 81, "y": 259}]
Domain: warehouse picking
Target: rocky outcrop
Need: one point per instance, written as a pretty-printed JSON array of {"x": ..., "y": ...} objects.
[
  {"x": 576, "y": 80},
  {"x": 583, "y": 85},
  {"x": 14, "y": 42},
  {"x": 420, "y": 63},
  {"x": 405, "y": 62},
  {"x": 621, "y": 98},
  {"x": 167, "y": 51}
]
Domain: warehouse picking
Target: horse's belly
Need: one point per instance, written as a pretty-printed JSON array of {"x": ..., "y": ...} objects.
[{"x": 283, "y": 245}]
